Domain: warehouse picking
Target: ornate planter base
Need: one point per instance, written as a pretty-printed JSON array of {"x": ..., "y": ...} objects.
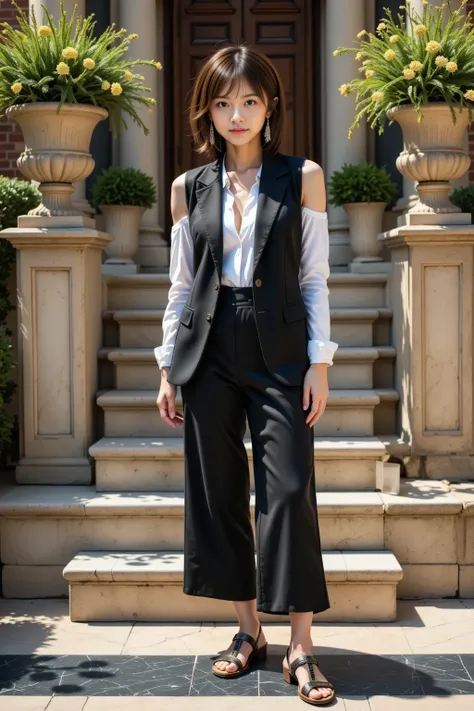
[{"x": 56, "y": 150}]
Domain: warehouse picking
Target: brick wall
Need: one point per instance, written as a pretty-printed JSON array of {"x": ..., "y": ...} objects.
[{"x": 11, "y": 137}]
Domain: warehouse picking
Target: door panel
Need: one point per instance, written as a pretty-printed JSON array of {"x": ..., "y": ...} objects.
[{"x": 282, "y": 29}]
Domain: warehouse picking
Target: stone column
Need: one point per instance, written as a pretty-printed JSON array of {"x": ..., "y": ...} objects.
[
  {"x": 59, "y": 307},
  {"x": 431, "y": 294},
  {"x": 343, "y": 21},
  {"x": 135, "y": 149},
  {"x": 54, "y": 8}
]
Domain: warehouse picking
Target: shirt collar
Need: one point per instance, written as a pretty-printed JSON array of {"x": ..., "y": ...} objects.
[{"x": 225, "y": 177}]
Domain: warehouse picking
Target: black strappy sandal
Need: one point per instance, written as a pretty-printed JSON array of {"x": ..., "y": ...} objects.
[
  {"x": 232, "y": 657},
  {"x": 290, "y": 678}
]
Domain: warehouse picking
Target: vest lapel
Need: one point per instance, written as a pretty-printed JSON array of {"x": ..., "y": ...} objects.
[
  {"x": 272, "y": 191},
  {"x": 209, "y": 196}
]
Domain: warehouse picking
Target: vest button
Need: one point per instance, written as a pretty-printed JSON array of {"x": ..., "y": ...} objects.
[
  {"x": 209, "y": 318},
  {"x": 258, "y": 282},
  {"x": 216, "y": 286}
]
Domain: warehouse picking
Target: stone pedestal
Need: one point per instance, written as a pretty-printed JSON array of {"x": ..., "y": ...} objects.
[
  {"x": 59, "y": 307},
  {"x": 431, "y": 294}
]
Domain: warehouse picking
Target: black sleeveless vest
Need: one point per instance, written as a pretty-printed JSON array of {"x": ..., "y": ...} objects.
[{"x": 280, "y": 312}]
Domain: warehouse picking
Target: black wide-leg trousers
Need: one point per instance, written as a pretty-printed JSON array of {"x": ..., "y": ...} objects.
[{"x": 230, "y": 383}]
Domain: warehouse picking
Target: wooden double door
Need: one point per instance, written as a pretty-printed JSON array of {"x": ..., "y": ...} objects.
[{"x": 287, "y": 31}]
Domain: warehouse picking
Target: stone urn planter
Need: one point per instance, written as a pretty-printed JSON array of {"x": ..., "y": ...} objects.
[
  {"x": 365, "y": 222},
  {"x": 123, "y": 222},
  {"x": 433, "y": 154},
  {"x": 56, "y": 150}
]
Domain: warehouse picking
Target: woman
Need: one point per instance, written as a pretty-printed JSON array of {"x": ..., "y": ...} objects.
[{"x": 246, "y": 335}]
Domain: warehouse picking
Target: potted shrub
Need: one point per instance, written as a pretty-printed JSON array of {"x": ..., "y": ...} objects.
[
  {"x": 123, "y": 195},
  {"x": 16, "y": 198},
  {"x": 364, "y": 191},
  {"x": 418, "y": 70},
  {"x": 57, "y": 81},
  {"x": 463, "y": 198}
]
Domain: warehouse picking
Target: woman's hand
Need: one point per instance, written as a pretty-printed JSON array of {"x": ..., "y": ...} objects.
[
  {"x": 315, "y": 391},
  {"x": 166, "y": 401}
]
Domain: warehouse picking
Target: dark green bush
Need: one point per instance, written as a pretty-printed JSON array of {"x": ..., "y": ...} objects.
[
  {"x": 464, "y": 198},
  {"x": 17, "y": 197},
  {"x": 361, "y": 182},
  {"x": 124, "y": 186}
]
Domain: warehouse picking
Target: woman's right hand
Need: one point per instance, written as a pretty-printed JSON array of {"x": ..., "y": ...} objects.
[{"x": 166, "y": 401}]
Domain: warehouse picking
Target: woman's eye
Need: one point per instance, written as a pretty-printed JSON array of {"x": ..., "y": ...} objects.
[{"x": 252, "y": 100}]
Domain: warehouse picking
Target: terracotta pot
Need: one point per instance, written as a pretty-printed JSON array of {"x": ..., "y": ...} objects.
[
  {"x": 365, "y": 223},
  {"x": 123, "y": 223},
  {"x": 56, "y": 150},
  {"x": 433, "y": 153}
]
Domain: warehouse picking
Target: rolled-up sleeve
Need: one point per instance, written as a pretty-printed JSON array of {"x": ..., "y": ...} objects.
[
  {"x": 181, "y": 276},
  {"x": 313, "y": 275}
]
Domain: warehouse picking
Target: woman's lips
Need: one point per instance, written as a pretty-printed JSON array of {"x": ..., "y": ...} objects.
[{"x": 238, "y": 130}]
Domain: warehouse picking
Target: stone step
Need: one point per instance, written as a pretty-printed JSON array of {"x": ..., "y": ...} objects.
[
  {"x": 44, "y": 527},
  {"x": 157, "y": 464},
  {"x": 142, "y": 328},
  {"x": 143, "y": 291},
  {"x": 145, "y": 586},
  {"x": 137, "y": 369},
  {"x": 349, "y": 413}
]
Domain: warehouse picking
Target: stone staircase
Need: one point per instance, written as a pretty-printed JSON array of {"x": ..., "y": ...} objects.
[{"x": 121, "y": 539}]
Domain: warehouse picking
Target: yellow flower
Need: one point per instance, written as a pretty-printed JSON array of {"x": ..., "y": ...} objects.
[
  {"x": 433, "y": 47},
  {"x": 134, "y": 36},
  {"x": 336, "y": 53},
  {"x": 389, "y": 55},
  {"x": 359, "y": 56},
  {"x": 408, "y": 73},
  {"x": 62, "y": 68},
  {"x": 17, "y": 87},
  {"x": 394, "y": 39},
  {"x": 369, "y": 74},
  {"x": 45, "y": 31},
  {"x": 469, "y": 95},
  {"x": 419, "y": 30},
  {"x": 116, "y": 88},
  {"x": 344, "y": 89},
  {"x": 416, "y": 65},
  {"x": 140, "y": 76},
  {"x": 128, "y": 75},
  {"x": 377, "y": 96},
  {"x": 451, "y": 67},
  {"x": 425, "y": 3},
  {"x": 105, "y": 85},
  {"x": 69, "y": 53},
  {"x": 158, "y": 65},
  {"x": 361, "y": 34},
  {"x": 152, "y": 102},
  {"x": 441, "y": 61},
  {"x": 381, "y": 26},
  {"x": 89, "y": 63}
]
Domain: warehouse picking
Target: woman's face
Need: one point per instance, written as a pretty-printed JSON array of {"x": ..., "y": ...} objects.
[{"x": 238, "y": 117}]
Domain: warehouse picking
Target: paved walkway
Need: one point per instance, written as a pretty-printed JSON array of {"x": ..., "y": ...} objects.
[{"x": 423, "y": 661}]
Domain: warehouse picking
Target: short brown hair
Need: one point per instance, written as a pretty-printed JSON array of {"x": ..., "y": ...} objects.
[{"x": 236, "y": 63}]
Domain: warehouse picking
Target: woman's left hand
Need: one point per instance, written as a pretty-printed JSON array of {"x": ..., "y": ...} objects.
[{"x": 315, "y": 391}]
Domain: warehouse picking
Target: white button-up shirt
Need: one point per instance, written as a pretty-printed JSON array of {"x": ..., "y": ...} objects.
[{"x": 237, "y": 270}]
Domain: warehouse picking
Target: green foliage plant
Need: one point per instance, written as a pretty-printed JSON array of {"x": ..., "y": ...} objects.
[
  {"x": 463, "y": 197},
  {"x": 414, "y": 59},
  {"x": 65, "y": 62},
  {"x": 124, "y": 186},
  {"x": 17, "y": 197},
  {"x": 361, "y": 182}
]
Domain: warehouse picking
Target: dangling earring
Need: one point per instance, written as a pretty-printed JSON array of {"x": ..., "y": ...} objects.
[
  {"x": 267, "y": 134},
  {"x": 211, "y": 135}
]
